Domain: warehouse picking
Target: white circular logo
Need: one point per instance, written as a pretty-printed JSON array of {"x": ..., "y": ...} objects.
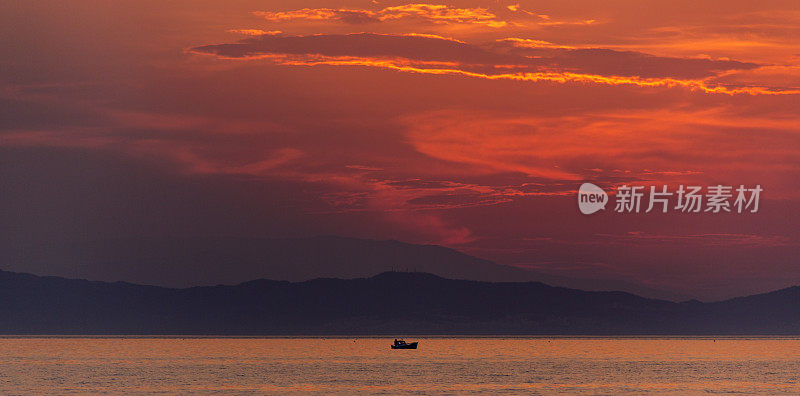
[{"x": 591, "y": 198}]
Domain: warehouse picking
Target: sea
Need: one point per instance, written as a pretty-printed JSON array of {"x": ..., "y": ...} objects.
[{"x": 366, "y": 365}]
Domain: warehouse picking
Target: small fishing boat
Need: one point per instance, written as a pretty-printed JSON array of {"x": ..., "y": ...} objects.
[{"x": 400, "y": 344}]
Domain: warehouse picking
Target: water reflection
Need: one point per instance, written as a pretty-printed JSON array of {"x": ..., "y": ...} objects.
[{"x": 339, "y": 364}]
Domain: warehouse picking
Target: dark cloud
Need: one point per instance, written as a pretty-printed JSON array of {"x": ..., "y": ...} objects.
[
  {"x": 630, "y": 63},
  {"x": 499, "y": 57},
  {"x": 419, "y": 48}
]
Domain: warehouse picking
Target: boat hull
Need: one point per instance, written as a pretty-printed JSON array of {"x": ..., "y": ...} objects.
[{"x": 411, "y": 345}]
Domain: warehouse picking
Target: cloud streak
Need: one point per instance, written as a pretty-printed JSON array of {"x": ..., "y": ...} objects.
[
  {"x": 431, "y": 13},
  {"x": 502, "y": 60}
]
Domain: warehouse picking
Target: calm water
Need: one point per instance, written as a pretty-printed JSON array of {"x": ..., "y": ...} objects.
[{"x": 441, "y": 365}]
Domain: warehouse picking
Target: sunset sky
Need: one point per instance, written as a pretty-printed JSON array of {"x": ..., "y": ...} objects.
[{"x": 465, "y": 124}]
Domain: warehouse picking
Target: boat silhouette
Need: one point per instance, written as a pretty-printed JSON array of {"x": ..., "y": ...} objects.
[{"x": 400, "y": 344}]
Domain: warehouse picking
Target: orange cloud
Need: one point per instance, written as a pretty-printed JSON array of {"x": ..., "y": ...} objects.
[
  {"x": 529, "y": 43},
  {"x": 431, "y": 15},
  {"x": 439, "y": 14},
  {"x": 558, "y": 77},
  {"x": 254, "y": 32},
  {"x": 669, "y": 146}
]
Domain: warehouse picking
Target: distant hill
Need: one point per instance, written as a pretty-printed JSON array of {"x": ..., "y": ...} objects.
[
  {"x": 389, "y": 303},
  {"x": 185, "y": 262}
]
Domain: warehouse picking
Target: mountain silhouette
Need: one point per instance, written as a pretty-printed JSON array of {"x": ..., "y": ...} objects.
[
  {"x": 185, "y": 262},
  {"x": 388, "y": 303}
]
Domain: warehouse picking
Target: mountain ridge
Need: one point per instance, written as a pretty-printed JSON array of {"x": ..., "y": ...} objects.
[
  {"x": 195, "y": 261},
  {"x": 388, "y": 303}
]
